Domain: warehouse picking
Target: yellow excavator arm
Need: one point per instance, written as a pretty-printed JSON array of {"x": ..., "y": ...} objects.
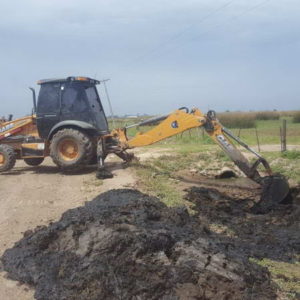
[
  {"x": 182, "y": 120},
  {"x": 275, "y": 188},
  {"x": 170, "y": 125}
]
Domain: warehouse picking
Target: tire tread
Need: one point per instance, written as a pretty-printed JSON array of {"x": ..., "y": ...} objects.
[{"x": 9, "y": 152}]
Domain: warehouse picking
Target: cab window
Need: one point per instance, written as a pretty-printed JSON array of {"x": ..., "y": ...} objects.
[
  {"x": 48, "y": 101},
  {"x": 74, "y": 99}
]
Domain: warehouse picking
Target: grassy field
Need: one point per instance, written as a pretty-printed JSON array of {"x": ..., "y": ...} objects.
[{"x": 156, "y": 173}]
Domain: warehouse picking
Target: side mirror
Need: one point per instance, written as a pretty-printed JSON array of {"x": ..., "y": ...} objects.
[{"x": 34, "y": 99}]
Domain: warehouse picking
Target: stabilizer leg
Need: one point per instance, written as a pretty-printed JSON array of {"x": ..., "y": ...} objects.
[{"x": 102, "y": 172}]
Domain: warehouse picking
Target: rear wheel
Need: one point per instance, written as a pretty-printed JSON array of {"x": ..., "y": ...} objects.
[
  {"x": 7, "y": 158},
  {"x": 34, "y": 161},
  {"x": 71, "y": 149}
]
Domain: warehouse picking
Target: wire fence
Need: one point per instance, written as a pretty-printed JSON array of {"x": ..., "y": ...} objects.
[{"x": 281, "y": 132}]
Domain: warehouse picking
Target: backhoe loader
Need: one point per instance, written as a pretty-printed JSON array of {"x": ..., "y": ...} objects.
[{"x": 68, "y": 123}]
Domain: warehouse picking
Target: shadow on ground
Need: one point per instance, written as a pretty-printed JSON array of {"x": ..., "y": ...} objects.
[{"x": 45, "y": 169}]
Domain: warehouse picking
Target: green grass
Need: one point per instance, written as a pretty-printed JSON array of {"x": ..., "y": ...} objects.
[
  {"x": 293, "y": 154},
  {"x": 156, "y": 175},
  {"x": 158, "y": 183},
  {"x": 287, "y": 164},
  {"x": 285, "y": 275},
  {"x": 269, "y": 133}
]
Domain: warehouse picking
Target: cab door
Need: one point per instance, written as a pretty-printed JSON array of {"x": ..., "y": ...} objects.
[{"x": 48, "y": 108}]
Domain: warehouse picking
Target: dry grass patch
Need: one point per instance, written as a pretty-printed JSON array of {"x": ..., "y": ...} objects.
[{"x": 237, "y": 119}]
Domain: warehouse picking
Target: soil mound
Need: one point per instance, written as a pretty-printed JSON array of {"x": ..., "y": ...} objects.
[
  {"x": 274, "y": 235},
  {"x": 127, "y": 245}
]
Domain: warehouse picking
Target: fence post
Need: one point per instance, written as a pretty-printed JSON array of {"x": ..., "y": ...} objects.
[
  {"x": 239, "y": 134},
  {"x": 280, "y": 136},
  {"x": 258, "y": 145},
  {"x": 283, "y": 136}
]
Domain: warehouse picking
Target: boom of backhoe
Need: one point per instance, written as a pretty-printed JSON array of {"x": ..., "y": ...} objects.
[
  {"x": 182, "y": 120},
  {"x": 274, "y": 187}
]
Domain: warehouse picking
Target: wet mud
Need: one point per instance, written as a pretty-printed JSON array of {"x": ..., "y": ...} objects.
[
  {"x": 128, "y": 245},
  {"x": 273, "y": 235}
]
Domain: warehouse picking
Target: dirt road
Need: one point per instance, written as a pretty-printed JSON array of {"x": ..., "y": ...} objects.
[{"x": 30, "y": 197}]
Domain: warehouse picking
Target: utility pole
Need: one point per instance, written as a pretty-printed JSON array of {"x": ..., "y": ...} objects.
[{"x": 109, "y": 103}]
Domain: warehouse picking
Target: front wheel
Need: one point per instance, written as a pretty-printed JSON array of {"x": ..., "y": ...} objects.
[
  {"x": 70, "y": 149},
  {"x": 7, "y": 158},
  {"x": 36, "y": 161}
]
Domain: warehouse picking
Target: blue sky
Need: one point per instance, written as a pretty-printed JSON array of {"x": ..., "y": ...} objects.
[{"x": 159, "y": 55}]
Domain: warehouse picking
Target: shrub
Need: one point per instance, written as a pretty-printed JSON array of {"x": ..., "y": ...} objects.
[
  {"x": 267, "y": 115},
  {"x": 296, "y": 118},
  {"x": 237, "y": 119}
]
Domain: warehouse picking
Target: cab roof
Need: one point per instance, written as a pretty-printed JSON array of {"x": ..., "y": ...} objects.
[{"x": 71, "y": 78}]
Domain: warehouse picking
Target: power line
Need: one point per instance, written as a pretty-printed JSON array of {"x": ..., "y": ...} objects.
[
  {"x": 235, "y": 17},
  {"x": 155, "y": 53},
  {"x": 179, "y": 34}
]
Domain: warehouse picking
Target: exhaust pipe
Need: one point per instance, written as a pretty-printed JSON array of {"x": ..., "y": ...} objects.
[{"x": 34, "y": 99}]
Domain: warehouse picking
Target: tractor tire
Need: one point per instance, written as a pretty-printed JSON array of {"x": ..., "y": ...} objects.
[
  {"x": 34, "y": 161},
  {"x": 71, "y": 149},
  {"x": 7, "y": 158}
]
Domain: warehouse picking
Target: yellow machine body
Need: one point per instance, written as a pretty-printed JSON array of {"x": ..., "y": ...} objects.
[{"x": 10, "y": 130}]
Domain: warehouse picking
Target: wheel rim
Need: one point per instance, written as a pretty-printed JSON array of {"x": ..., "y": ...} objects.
[
  {"x": 68, "y": 149},
  {"x": 2, "y": 159}
]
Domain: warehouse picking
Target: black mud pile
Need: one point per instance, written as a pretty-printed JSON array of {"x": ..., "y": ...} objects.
[
  {"x": 274, "y": 235},
  {"x": 127, "y": 245}
]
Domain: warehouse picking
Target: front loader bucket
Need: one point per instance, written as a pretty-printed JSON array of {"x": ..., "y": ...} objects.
[{"x": 275, "y": 189}]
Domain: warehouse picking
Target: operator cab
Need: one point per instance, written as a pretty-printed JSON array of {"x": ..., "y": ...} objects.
[{"x": 73, "y": 99}]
